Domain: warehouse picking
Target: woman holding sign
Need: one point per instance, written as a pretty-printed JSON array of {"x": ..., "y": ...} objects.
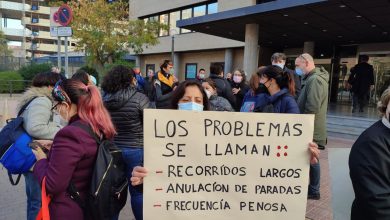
[{"x": 190, "y": 96}]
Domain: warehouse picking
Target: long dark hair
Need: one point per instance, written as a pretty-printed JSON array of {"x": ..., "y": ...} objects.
[
  {"x": 181, "y": 90},
  {"x": 282, "y": 78}
]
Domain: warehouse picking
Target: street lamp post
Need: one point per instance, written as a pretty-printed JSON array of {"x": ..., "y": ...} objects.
[
  {"x": 32, "y": 47},
  {"x": 173, "y": 32}
]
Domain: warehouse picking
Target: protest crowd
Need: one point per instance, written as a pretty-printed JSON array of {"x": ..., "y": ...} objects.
[{"x": 71, "y": 119}]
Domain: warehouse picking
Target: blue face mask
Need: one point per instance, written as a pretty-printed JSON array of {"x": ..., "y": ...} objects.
[
  {"x": 190, "y": 106},
  {"x": 299, "y": 71}
]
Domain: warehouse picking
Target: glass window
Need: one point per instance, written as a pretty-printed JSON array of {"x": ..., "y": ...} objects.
[
  {"x": 34, "y": 6},
  {"x": 164, "y": 20},
  {"x": 200, "y": 10},
  {"x": 173, "y": 17},
  {"x": 15, "y": 43},
  {"x": 153, "y": 18},
  {"x": 263, "y": 1},
  {"x": 14, "y": 23},
  {"x": 191, "y": 69},
  {"x": 212, "y": 8},
  {"x": 186, "y": 13},
  {"x": 34, "y": 20}
]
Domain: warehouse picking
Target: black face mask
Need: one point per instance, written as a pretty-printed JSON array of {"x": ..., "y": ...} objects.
[{"x": 261, "y": 89}]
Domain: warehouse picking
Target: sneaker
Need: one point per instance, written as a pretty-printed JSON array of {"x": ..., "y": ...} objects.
[{"x": 314, "y": 196}]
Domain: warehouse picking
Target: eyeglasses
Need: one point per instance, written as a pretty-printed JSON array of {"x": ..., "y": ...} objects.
[{"x": 55, "y": 106}]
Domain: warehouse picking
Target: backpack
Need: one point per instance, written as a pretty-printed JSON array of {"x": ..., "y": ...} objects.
[
  {"x": 15, "y": 154},
  {"x": 107, "y": 194}
]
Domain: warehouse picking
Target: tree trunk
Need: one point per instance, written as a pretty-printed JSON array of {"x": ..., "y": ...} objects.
[
  {"x": 110, "y": 59},
  {"x": 100, "y": 69}
]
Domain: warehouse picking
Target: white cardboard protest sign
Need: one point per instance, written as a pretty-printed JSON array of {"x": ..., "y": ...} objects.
[{"x": 224, "y": 165}]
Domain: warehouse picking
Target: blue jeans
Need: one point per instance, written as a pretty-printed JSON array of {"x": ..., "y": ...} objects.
[
  {"x": 315, "y": 174},
  {"x": 33, "y": 192},
  {"x": 134, "y": 157}
]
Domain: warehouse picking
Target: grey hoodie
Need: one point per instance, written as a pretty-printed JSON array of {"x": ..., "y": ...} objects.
[
  {"x": 314, "y": 100},
  {"x": 39, "y": 120}
]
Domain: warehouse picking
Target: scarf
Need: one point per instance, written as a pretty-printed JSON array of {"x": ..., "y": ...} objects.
[{"x": 167, "y": 81}]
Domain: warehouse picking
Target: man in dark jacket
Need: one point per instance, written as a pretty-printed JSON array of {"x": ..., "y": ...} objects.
[
  {"x": 201, "y": 76},
  {"x": 224, "y": 88},
  {"x": 279, "y": 59},
  {"x": 361, "y": 80}
]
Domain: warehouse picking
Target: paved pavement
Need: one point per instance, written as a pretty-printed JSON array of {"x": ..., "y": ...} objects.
[{"x": 12, "y": 202}]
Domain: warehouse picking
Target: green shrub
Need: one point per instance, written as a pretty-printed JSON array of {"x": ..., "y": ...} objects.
[
  {"x": 5, "y": 81},
  {"x": 28, "y": 72},
  {"x": 125, "y": 63}
]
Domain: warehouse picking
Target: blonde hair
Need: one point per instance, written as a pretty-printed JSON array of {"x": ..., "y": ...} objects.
[
  {"x": 382, "y": 104},
  {"x": 306, "y": 57}
]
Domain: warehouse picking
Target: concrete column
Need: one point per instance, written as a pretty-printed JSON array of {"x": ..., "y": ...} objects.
[
  {"x": 179, "y": 73},
  {"x": 308, "y": 47},
  {"x": 24, "y": 52},
  {"x": 138, "y": 61},
  {"x": 228, "y": 61},
  {"x": 251, "y": 49},
  {"x": 1, "y": 16}
]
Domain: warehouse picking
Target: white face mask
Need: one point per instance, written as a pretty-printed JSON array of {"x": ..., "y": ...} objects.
[
  {"x": 208, "y": 93},
  {"x": 281, "y": 65},
  {"x": 237, "y": 79}
]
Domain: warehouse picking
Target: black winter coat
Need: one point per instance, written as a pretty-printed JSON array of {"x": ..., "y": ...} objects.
[
  {"x": 224, "y": 88},
  {"x": 361, "y": 78},
  {"x": 244, "y": 88},
  {"x": 126, "y": 109},
  {"x": 369, "y": 165}
]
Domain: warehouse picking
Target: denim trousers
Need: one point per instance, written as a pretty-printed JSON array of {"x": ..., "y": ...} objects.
[
  {"x": 315, "y": 174},
  {"x": 133, "y": 157},
  {"x": 33, "y": 192}
]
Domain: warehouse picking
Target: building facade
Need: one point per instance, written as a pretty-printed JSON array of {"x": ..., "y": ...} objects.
[
  {"x": 243, "y": 34},
  {"x": 192, "y": 50},
  {"x": 26, "y": 24}
]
